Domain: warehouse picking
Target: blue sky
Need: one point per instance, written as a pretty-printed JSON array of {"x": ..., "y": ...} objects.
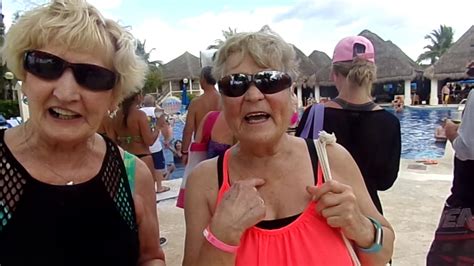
[{"x": 173, "y": 27}]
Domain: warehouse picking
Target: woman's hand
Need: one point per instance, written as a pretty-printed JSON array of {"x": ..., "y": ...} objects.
[
  {"x": 338, "y": 204},
  {"x": 240, "y": 208}
]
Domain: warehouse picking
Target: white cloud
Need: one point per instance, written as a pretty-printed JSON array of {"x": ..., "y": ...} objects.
[
  {"x": 106, "y": 4},
  {"x": 309, "y": 24},
  {"x": 312, "y": 25}
]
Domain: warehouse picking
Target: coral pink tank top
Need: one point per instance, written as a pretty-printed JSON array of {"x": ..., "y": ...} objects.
[{"x": 308, "y": 240}]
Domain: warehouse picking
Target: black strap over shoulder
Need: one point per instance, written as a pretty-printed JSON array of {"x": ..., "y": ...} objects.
[
  {"x": 314, "y": 158},
  {"x": 220, "y": 170}
]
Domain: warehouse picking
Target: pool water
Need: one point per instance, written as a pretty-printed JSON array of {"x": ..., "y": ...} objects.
[{"x": 418, "y": 127}]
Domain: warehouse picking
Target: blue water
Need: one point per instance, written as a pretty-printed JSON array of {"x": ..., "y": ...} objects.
[{"x": 418, "y": 127}]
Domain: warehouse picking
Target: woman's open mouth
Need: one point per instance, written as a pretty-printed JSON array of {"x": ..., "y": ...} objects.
[
  {"x": 62, "y": 114},
  {"x": 257, "y": 117}
]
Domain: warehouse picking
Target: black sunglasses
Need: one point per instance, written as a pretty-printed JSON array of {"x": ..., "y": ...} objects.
[
  {"x": 50, "y": 67},
  {"x": 268, "y": 82}
]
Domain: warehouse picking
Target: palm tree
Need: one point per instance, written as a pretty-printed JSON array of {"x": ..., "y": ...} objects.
[
  {"x": 227, "y": 34},
  {"x": 441, "y": 39},
  {"x": 141, "y": 51},
  {"x": 154, "y": 77}
]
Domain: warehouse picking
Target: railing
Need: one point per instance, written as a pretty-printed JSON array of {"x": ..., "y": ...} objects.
[{"x": 165, "y": 93}]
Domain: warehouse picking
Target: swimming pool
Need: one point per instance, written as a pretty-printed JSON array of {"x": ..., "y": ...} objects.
[{"x": 417, "y": 127}]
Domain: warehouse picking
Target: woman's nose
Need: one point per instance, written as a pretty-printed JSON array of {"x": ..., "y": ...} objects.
[{"x": 66, "y": 87}]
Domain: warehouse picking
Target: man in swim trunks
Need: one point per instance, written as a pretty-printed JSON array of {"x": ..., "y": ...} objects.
[{"x": 199, "y": 107}]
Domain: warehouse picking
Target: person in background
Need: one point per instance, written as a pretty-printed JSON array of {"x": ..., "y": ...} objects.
[
  {"x": 156, "y": 148},
  {"x": 446, "y": 91},
  {"x": 453, "y": 242},
  {"x": 370, "y": 133},
  {"x": 133, "y": 132},
  {"x": 213, "y": 138},
  {"x": 199, "y": 107},
  {"x": 177, "y": 164},
  {"x": 69, "y": 196},
  {"x": 263, "y": 201},
  {"x": 440, "y": 132}
]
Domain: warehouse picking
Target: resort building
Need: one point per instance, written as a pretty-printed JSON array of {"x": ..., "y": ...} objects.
[
  {"x": 451, "y": 66},
  {"x": 184, "y": 70}
]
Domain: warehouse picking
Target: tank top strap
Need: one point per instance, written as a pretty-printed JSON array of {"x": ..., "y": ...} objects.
[
  {"x": 208, "y": 125},
  {"x": 223, "y": 164}
]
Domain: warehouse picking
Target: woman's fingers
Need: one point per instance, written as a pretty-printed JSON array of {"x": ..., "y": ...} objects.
[
  {"x": 329, "y": 186},
  {"x": 336, "y": 202}
]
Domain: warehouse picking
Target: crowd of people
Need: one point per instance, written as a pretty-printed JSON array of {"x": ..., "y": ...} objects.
[
  {"x": 80, "y": 177},
  {"x": 454, "y": 92}
]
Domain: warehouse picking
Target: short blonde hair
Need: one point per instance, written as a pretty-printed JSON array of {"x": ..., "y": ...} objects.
[
  {"x": 359, "y": 72},
  {"x": 78, "y": 26},
  {"x": 266, "y": 48}
]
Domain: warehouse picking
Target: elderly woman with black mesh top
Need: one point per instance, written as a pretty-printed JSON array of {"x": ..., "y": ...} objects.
[{"x": 66, "y": 195}]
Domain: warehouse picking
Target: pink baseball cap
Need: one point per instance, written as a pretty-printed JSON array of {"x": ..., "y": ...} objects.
[{"x": 354, "y": 46}]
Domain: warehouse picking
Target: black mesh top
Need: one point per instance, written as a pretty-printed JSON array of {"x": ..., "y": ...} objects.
[
  {"x": 373, "y": 139},
  {"x": 91, "y": 223}
]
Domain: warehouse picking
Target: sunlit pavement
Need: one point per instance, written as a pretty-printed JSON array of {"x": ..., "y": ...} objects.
[{"x": 413, "y": 206}]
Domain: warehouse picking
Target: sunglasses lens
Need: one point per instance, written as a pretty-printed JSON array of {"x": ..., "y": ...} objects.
[
  {"x": 50, "y": 67},
  {"x": 44, "y": 65},
  {"x": 94, "y": 77},
  {"x": 234, "y": 85},
  {"x": 270, "y": 82}
]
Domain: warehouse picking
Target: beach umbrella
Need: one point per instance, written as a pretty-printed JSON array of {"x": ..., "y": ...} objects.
[{"x": 171, "y": 105}]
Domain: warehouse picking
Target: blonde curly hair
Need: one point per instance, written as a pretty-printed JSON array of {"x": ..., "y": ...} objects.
[
  {"x": 265, "y": 47},
  {"x": 77, "y": 26}
]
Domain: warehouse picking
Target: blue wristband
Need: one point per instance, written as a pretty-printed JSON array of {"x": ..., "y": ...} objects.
[{"x": 378, "y": 239}]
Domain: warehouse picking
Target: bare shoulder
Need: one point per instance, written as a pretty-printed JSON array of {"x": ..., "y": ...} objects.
[
  {"x": 202, "y": 182},
  {"x": 204, "y": 175},
  {"x": 336, "y": 152},
  {"x": 143, "y": 175},
  {"x": 195, "y": 102},
  {"x": 138, "y": 114},
  {"x": 343, "y": 166}
]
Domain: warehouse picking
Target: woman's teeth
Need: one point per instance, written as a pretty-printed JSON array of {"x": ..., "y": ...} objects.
[
  {"x": 257, "y": 117},
  {"x": 63, "y": 114}
]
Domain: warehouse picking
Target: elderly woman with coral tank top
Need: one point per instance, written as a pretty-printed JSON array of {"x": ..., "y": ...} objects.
[{"x": 264, "y": 202}]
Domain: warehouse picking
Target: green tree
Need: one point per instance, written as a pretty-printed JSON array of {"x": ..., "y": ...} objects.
[
  {"x": 441, "y": 39},
  {"x": 227, "y": 34},
  {"x": 154, "y": 77}
]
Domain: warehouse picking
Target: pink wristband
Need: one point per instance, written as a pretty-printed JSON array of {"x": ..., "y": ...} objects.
[{"x": 217, "y": 243}]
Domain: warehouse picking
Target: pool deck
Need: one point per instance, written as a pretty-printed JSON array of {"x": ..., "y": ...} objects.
[{"x": 413, "y": 206}]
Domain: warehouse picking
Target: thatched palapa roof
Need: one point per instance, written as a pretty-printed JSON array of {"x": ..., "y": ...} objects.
[
  {"x": 184, "y": 66},
  {"x": 320, "y": 59},
  {"x": 306, "y": 66},
  {"x": 392, "y": 63},
  {"x": 452, "y": 64}
]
